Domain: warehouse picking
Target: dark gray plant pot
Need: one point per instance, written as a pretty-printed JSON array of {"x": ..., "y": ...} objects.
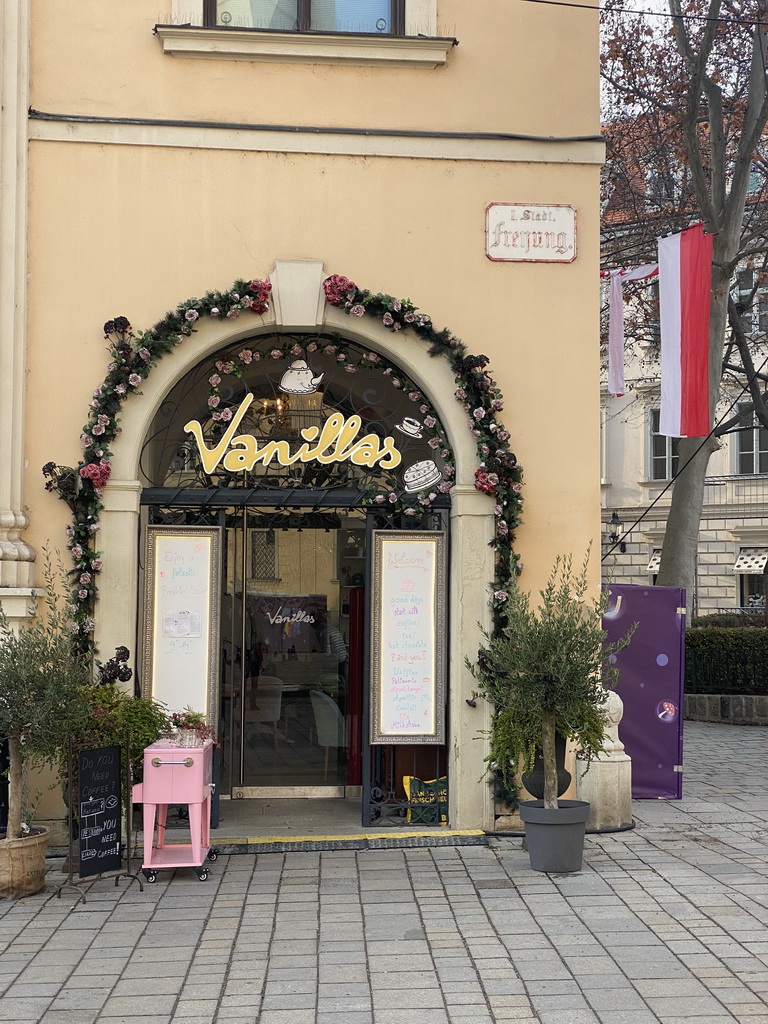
[{"x": 555, "y": 838}]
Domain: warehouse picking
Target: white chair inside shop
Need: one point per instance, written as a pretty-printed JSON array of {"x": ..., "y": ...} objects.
[
  {"x": 329, "y": 725},
  {"x": 264, "y": 696}
]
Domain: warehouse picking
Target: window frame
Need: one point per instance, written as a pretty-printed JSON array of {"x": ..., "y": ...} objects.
[
  {"x": 304, "y": 19},
  {"x": 740, "y": 450},
  {"x": 672, "y": 458}
]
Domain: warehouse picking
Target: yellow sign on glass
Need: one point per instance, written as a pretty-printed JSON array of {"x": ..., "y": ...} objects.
[{"x": 335, "y": 442}]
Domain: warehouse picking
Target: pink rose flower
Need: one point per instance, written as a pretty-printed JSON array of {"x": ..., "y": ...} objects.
[
  {"x": 214, "y": 380},
  {"x": 246, "y": 356},
  {"x": 85, "y": 578},
  {"x": 226, "y": 414},
  {"x": 387, "y": 319},
  {"x": 215, "y": 311},
  {"x": 134, "y": 380},
  {"x": 357, "y": 310},
  {"x": 429, "y": 421},
  {"x": 213, "y": 401},
  {"x": 276, "y": 353},
  {"x": 191, "y": 315},
  {"x": 145, "y": 354},
  {"x": 97, "y": 565}
]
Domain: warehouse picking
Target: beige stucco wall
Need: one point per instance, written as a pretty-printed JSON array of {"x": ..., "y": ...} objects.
[
  {"x": 188, "y": 221},
  {"x": 130, "y": 221},
  {"x": 517, "y": 68}
]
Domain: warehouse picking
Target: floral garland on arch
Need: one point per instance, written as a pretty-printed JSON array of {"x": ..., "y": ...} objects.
[{"x": 133, "y": 355}]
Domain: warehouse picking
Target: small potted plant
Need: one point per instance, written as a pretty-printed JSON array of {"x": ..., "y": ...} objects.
[
  {"x": 191, "y": 728},
  {"x": 546, "y": 672},
  {"x": 41, "y": 687},
  {"x": 114, "y": 717}
]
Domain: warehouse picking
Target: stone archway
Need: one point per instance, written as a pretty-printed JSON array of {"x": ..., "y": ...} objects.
[{"x": 298, "y": 304}]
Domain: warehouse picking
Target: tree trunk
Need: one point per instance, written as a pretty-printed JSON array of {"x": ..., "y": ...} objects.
[
  {"x": 549, "y": 759},
  {"x": 13, "y": 830},
  {"x": 681, "y": 539}
]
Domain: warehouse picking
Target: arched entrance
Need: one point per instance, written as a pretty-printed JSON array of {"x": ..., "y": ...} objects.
[
  {"x": 302, "y": 449},
  {"x": 299, "y": 308}
]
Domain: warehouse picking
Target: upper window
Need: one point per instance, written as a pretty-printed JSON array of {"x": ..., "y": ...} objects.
[
  {"x": 384, "y": 17},
  {"x": 664, "y": 458},
  {"x": 751, "y": 447},
  {"x": 752, "y": 299}
]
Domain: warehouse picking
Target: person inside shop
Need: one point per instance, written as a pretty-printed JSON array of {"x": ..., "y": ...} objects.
[{"x": 330, "y": 641}]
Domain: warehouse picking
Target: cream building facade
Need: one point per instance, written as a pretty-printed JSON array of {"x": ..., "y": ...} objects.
[
  {"x": 637, "y": 479},
  {"x": 147, "y": 163}
]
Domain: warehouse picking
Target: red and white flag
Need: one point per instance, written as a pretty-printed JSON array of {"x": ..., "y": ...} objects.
[{"x": 685, "y": 273}]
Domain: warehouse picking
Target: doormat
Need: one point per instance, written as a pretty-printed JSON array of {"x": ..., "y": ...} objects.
[{"x": 361, "y": 841}]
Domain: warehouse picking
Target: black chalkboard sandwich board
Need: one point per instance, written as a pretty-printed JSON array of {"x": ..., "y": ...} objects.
[{"x": 100, "y": 810}]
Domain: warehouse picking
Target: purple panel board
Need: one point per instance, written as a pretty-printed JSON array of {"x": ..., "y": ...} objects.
[{"x": 651, "y": 684}]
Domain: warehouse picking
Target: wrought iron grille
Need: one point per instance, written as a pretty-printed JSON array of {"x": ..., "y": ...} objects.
[{"x": 383, "y": 398}]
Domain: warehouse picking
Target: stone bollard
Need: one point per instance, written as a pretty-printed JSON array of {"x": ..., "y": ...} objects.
[{"x": 606, "y": 783}]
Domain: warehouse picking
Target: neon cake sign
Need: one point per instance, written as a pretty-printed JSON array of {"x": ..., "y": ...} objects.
[{"x": 335, "y": 442}]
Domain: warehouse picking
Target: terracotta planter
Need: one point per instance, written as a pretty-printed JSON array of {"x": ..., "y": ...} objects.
[{"x": 22, "y": 864}]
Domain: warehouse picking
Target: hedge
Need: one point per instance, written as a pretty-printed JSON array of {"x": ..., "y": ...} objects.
[{"x": 729, "y": 661}]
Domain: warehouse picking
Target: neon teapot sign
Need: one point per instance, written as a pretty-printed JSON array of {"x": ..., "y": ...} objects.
[
  {"x": 336, "y": 441},
  {"x": 298, "y": 379}
]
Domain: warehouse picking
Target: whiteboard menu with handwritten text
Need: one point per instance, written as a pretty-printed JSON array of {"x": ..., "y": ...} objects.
[
  {"x": 408, "y": 630},
  {"x": 181, "y": 618}
]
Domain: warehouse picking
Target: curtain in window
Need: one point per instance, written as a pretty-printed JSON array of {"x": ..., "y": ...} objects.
[{"x": 351, "y": 15}]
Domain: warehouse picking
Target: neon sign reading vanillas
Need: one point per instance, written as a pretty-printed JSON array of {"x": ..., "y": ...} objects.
[{"x": 335, "y": 442}]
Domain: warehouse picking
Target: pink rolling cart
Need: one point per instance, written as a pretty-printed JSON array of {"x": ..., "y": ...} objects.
[{"x": 176, "y": 775}]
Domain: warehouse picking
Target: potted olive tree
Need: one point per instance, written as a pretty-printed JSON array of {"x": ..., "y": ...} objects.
[
  {"x": 545, "y": 673},
  {"x": 41, "y": 687}
]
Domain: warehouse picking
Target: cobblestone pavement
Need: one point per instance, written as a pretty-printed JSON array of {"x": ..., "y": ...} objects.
[{"x": 665, "y": 923}]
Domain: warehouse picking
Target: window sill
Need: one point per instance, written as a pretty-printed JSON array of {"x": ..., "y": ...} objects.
[{"x": 304, "y": 48}]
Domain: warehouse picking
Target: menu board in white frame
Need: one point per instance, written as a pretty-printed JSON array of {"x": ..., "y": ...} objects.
[
  {"x": 182, "y": 598},
  {"x": 408, "y": 676}
]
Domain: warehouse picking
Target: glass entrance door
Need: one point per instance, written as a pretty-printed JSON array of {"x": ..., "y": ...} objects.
[{"x": 290, "y": 652}]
